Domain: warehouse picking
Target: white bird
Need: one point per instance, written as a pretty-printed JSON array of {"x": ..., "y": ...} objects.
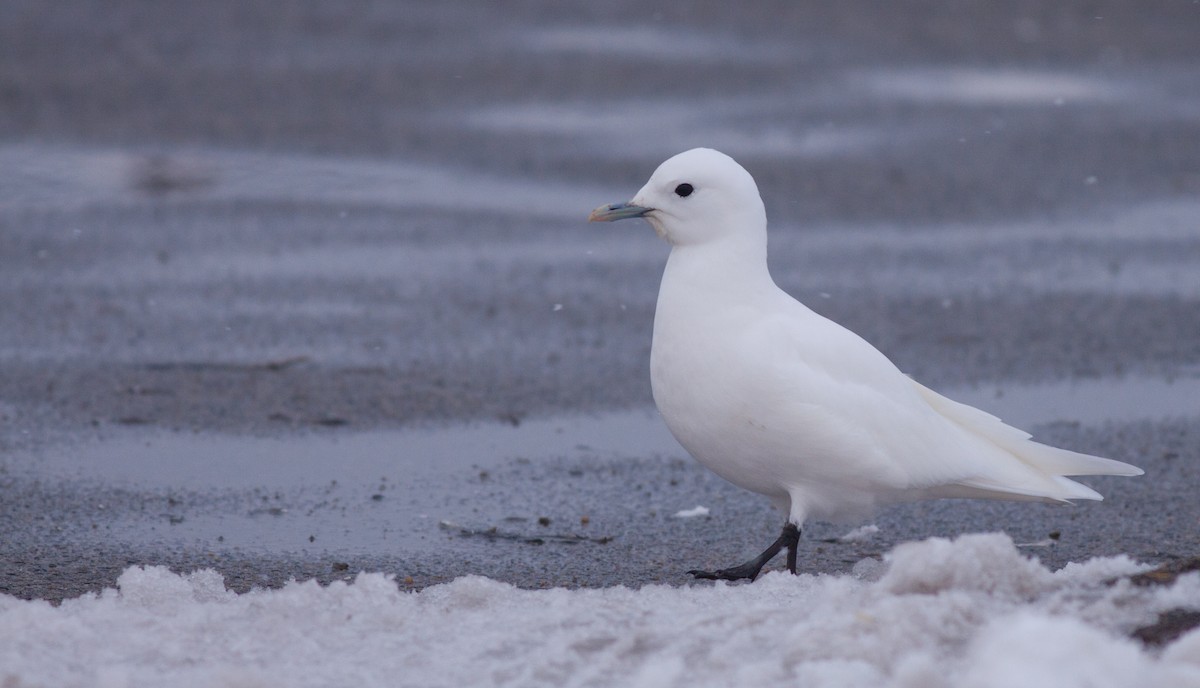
[{"x": 781, "y": 401}]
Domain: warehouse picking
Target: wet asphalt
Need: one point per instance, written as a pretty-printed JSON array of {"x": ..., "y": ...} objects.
[{"x": 311, "y": 223}]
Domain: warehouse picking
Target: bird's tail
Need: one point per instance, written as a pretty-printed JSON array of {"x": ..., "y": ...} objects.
[{"x": 1056, "y": 463}]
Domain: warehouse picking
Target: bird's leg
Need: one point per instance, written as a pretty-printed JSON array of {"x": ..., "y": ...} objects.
[{"x": 789, "y": 538}]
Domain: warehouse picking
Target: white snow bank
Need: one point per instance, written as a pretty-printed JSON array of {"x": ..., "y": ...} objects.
[{"x": 972, "y": 612}]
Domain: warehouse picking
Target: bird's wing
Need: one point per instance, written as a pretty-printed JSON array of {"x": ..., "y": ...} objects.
[
  {"x": 941, "y": 446},
  {"x": 1043, "y": 457},
  {"x": 850, "y": 407}
]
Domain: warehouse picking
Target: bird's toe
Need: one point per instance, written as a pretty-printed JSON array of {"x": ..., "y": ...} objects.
[{"x": 730, "y": 574}]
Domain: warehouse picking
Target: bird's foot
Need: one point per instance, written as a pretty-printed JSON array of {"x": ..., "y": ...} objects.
[
  {"x": 789, "y": 539},
  {"x": 746, "y": 571}
]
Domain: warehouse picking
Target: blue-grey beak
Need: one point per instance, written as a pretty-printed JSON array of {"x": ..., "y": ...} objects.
[{"x": 617, "y": 211}]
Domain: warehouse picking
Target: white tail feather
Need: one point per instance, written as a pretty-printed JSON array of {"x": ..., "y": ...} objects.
[
  {"x": 1051, "y": 460},
  {"x": 1063, "y": 491}
]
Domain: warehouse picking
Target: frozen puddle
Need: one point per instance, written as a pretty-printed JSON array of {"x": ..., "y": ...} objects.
[
  {"x": 387, "y": 491},
  {"x": 1087, "y": 402},
  {"x": 381, "y": 491},
  {"x": 968, "y": 612}
]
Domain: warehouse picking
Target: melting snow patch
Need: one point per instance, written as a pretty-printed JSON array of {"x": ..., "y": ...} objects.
[
  {"x": 1009, "y": 86},
  {"x": 860, "y": 533},
  {"x": 968, "y": 612}
]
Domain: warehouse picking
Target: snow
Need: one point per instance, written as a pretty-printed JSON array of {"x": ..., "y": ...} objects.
[
  {"x": 968, "y": 612},
  {"x": 692, "y": 513},
  {"x": 860, "y": 533}
]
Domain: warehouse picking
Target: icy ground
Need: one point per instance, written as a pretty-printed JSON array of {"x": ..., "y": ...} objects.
[{"x": 972, "y": 612}]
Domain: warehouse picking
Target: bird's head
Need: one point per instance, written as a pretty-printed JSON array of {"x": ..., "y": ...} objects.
[{"x": 698, "y": 196}]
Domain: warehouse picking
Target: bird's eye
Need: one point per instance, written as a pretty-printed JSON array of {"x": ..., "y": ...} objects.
[{"x": 684, "y": 190}]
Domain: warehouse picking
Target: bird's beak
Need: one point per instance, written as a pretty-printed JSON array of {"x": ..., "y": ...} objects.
[{"x": 617, "y": 211}]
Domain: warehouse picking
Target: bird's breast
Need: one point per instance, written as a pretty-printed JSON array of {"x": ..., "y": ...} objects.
[{"x": 700, "y": 388}]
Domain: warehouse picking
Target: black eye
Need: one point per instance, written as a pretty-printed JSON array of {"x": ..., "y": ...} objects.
[{"x": 684, "y": 190}]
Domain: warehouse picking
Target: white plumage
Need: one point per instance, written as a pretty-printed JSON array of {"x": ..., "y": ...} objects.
[{"x": 784, "y": 402}]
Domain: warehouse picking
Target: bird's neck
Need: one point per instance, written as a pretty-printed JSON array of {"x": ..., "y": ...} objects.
[{"x": 728, "y": 269}]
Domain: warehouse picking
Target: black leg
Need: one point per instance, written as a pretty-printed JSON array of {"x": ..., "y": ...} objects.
[{"x": 789, "y": 538}]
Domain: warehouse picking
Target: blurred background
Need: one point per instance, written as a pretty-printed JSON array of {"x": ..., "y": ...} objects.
[{"x": 189, "y": 190}]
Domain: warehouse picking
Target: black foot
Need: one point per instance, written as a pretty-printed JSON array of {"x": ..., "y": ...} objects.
[
  {"x": 746, "y": 571},
  {"x": 789, "y": 539}
]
